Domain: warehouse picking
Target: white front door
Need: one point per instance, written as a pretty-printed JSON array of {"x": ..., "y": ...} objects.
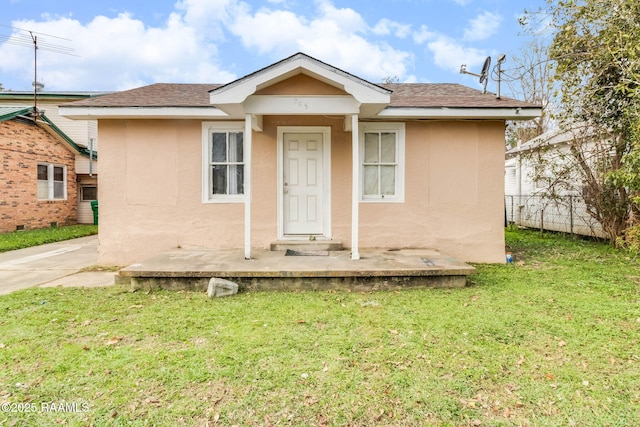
[{"x": 303, "y": 181}]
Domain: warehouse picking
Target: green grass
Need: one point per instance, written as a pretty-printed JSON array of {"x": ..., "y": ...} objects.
[
  {"x": 550, "y": 340},
  {"x": 28, "y": 238}
]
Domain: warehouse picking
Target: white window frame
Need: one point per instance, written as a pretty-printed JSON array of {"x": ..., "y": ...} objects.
[
  {"x": 208, "y": 128},
  {"x": 51, "y": 182},
  {"x": 399, "y": 130}
]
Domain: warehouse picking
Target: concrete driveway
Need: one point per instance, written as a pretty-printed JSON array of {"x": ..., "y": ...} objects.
[{"x": 55, "y": 264}]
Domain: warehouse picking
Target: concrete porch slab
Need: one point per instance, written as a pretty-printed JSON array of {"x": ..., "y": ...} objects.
[{"x": 378, "y": 269}]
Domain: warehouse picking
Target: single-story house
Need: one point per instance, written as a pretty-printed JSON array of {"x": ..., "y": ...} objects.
[
  {"x": 84, "y": 133},
  {"x": 542, "y": 191},
  {"x": 301, "y": 151},
  {"x": 42, "y": 172}
]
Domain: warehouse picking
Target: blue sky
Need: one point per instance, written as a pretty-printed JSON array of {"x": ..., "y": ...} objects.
[{"x": 119, "y": 44}]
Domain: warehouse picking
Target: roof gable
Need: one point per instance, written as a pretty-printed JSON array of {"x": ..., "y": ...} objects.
[
  {"x": 301, "y": 84},
  {"x": 10, "y": 113},
  {"x": 42, "y": 121},
  {"x": 239, "y": 90}
]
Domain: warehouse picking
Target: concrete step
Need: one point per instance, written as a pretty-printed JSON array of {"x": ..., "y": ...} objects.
[{"x": 306, "y": 245}]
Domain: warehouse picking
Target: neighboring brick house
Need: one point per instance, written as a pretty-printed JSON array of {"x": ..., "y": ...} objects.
[
  {"x": 38, "y": 179},
  {"x": 84, "y": 133}
]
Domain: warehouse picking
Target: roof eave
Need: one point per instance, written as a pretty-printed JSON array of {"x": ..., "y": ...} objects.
[
  {"x": 93, "y": 113},
  {"x": 503, "y": 113}
]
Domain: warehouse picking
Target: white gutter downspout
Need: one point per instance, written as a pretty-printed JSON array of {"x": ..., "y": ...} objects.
[
  {"x": 90, "y": 156},
  {"x": 248, "y": 133},
  {"x": 355, "y": 186}
]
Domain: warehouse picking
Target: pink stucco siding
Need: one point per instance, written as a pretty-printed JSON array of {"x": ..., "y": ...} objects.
[{"x": 151, "y": 186}]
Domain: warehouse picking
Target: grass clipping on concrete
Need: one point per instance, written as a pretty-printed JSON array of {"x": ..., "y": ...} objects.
[{"x": 549, "y": 340}]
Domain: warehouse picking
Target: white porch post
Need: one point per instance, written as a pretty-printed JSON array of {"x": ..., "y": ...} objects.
[
  {"x": 355, "y": 185},
  {"x": 248, "y": 137}
]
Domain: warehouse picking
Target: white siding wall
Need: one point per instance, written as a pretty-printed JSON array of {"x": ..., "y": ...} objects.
[
  {"x": 82, "y": 165},
  {"x": 85, "y": 214}
]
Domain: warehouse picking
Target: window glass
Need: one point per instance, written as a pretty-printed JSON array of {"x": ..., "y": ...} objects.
[
  {"x": 370, "y": 180},
  {"x": 58, "y": 190},
  {"x": 58, "y": 173},
  {"x": 43, "y": 172},
  {"x": 43, "y": 190},
  {"x": 387, "y": 180},
  {"x": 51, "y": 182},
  {"x": 235, "y": 147},
  {"x": 223, "y": 154},
  {"x": 219, "y": 178},
  {"x": 236, "y": 179},
  {"x": 219, "y": 149},
  {"x": 89, "y": 193},
  {"x": 371, "y": 148},
  {"x": 379, "y": 163},
  {"x": 388, "y": 148},
  {"x": 382, "y": 151}
]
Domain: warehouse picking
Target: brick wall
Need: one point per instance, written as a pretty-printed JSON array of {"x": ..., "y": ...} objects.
[{"x": 22, "y": 146}]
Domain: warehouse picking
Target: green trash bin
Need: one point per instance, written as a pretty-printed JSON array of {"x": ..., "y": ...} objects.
[{"x": 94, "y": 208}]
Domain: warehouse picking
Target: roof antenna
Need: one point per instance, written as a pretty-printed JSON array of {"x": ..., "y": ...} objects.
[
  {"x": 19, "y": 38},
  {"x": 36, "y": 85},
  {"x": 483, "y": 77},
  {"x": 501, "y": 58}
]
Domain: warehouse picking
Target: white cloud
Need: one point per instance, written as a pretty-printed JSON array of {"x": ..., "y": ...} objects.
[
  {"x": 208, "y": 17},
  {"x": 423, "y": 34},
  {"x": 483, "y": 26},
  {"x": 336, "y": 36},
  {"x": 449, "y": 54},
  {"x": 118, "y": 53},
  {"x": 121, "y": 52},
  {"x": 462, "y": 2},
  {"x": 386, "y": 26}
]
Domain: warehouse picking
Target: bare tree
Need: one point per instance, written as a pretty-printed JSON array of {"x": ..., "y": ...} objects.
[
  {"x": 596, "y": 71},
  {"x": 528, "y": 78}
]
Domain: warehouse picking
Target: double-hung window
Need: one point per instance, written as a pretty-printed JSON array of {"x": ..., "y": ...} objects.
[
  {"x": 223, "y": 153},
  {"x": 382, "y": 161},
  {"x": 52, "y": 182}
]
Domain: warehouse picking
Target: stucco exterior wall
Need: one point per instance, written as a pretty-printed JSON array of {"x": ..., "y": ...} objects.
[
  {"x": 151, "y": 197},
  {"x": 453, "y": 193},
  {"x": 22, "y": 146}
]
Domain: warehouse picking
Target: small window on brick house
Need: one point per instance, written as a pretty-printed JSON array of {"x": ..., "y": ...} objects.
[
  {"x": 52, "y": 182},
  {"x": 88, "y": 193}
]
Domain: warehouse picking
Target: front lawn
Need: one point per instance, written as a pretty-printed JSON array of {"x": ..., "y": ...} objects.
[
  {"x": 28, "y": 238},
  {"x": 552, "y": 339}
]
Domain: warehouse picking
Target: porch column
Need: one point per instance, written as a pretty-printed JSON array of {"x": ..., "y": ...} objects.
[
  {"x": 355, "y": 187},
  {"x": 248, "y": 137}
]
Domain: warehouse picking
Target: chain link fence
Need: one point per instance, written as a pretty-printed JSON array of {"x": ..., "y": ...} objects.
[{"x": 567, "y": 214}]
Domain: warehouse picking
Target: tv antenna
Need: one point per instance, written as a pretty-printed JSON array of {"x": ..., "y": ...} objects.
[
  {"x": 484, "y": 74},
  {"x": 501, "y": 58},
  {"x": 483, "y": 77},
  {"x": 28, "y": 38}
]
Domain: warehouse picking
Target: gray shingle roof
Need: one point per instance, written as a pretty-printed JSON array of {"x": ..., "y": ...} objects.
[
  {"x": 155, "y": 95},
  {"x": 404, "y": 95},
  {"x": 453, "y": 95}
]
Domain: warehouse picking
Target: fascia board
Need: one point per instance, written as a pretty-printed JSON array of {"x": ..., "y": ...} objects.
[
  {"x": 461, "y": 113},
  {"x": 90, "y": 113},
  {"x": 238, "y": 92}
]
